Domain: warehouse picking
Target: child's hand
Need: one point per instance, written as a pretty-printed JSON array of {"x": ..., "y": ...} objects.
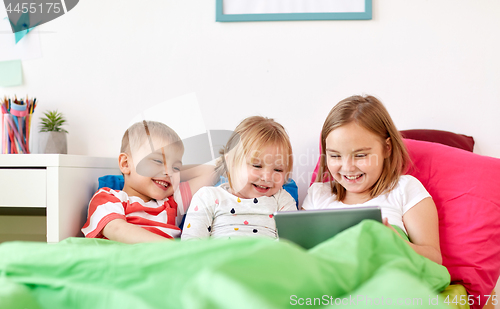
[{"x": 385, "y": 221}]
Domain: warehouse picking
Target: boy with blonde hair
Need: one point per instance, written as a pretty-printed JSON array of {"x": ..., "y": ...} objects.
[{"x": 153, "y": 200}]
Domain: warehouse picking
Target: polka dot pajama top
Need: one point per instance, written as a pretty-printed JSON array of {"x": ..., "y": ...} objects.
[{"x": 214, "y": 212}]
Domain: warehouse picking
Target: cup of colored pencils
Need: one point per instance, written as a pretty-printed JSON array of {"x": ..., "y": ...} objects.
[{"x": 16, "y": 124}]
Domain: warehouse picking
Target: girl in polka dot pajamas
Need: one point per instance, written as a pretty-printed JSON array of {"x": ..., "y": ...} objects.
[{"x": 257, "y": 161}]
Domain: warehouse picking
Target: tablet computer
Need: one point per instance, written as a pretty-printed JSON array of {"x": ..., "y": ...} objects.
[{"x": 308, "y": 228}]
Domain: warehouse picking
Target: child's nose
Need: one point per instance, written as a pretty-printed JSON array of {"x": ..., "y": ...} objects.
[
  {"x": 168, "y": 171},
  {"x": 348, "y": 163},
  {"x": 266, "y": 175}
]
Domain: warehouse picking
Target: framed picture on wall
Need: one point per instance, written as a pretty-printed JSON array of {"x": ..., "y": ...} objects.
[{"x": 277, "y": 10}]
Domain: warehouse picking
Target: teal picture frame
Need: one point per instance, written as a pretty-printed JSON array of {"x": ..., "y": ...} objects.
[{"x": 221, "y": 17}]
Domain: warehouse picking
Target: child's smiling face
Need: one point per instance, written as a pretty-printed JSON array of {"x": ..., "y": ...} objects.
[
  {"x": 154, "y": 175},
  {"x": 262, "y": 173},
  {"x": 355, "y": 158}
]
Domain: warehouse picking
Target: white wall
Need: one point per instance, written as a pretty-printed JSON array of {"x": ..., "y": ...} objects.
[{"x": 434, "y": 64}]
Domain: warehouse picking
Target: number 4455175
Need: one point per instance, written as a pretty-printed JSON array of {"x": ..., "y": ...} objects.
[
  {"x": 470, "y": 299},
  {"x": 34, "y": 8}
]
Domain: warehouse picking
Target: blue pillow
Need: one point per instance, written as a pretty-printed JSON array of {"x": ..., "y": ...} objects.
[
  {"x": 116, "y": 182},
  {"x": 291, "y": 187}
]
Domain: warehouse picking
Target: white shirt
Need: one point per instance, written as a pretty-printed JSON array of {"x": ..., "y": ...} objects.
[
  {"x": 407, "y": 193},
  {"x": 214, "y": 212}
]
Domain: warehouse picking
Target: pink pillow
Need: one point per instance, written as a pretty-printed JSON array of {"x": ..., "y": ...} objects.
[{"x": 466, "y": 189}]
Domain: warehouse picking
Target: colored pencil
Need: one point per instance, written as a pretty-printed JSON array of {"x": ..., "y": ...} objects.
[{"x": 16, "y": 123}]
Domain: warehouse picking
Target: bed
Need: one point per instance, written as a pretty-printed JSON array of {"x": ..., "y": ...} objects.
[{"x": 365, "y": 266}]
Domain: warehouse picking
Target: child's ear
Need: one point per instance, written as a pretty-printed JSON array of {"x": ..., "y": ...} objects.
[
  {"x": 388, "y": 147},
  {"x": 124, "y": 163},
  {"x": 224, "y": 162}
]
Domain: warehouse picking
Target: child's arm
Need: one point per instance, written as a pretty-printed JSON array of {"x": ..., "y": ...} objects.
[
  {"x": 421, "y": 222},
  {"x": 106, "y": 217},
  {"x": 122, "y": 231},
  {"x": 198, "y": 176},
  {"x": 286, "y": 202},
  {"x": 200, "y": 216}
]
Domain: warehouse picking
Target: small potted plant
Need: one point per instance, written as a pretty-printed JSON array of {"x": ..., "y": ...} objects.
[{"x": 52, "y": 135}]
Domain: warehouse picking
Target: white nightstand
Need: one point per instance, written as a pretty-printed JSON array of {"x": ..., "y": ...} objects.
[{"x": 62, "y": 185}]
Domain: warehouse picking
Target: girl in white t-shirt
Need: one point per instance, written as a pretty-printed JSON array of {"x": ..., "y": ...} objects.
[{"x": 362, "y": 160}]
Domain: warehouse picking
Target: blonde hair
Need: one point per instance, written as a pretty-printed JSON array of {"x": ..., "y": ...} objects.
[
  {"x": 137, "y": 134},
  {"x": 251, "y": 135},
  {"x": 369, "y": 113}
]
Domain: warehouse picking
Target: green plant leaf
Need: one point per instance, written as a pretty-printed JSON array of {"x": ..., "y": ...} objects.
[{"x": 52, "y": 122}]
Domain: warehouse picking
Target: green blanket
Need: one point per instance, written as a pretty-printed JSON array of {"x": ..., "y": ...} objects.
[{"x": 365, "y": 266}]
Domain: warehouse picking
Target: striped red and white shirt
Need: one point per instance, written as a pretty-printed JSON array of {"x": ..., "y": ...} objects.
[{"x": 160, "y": 217}]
